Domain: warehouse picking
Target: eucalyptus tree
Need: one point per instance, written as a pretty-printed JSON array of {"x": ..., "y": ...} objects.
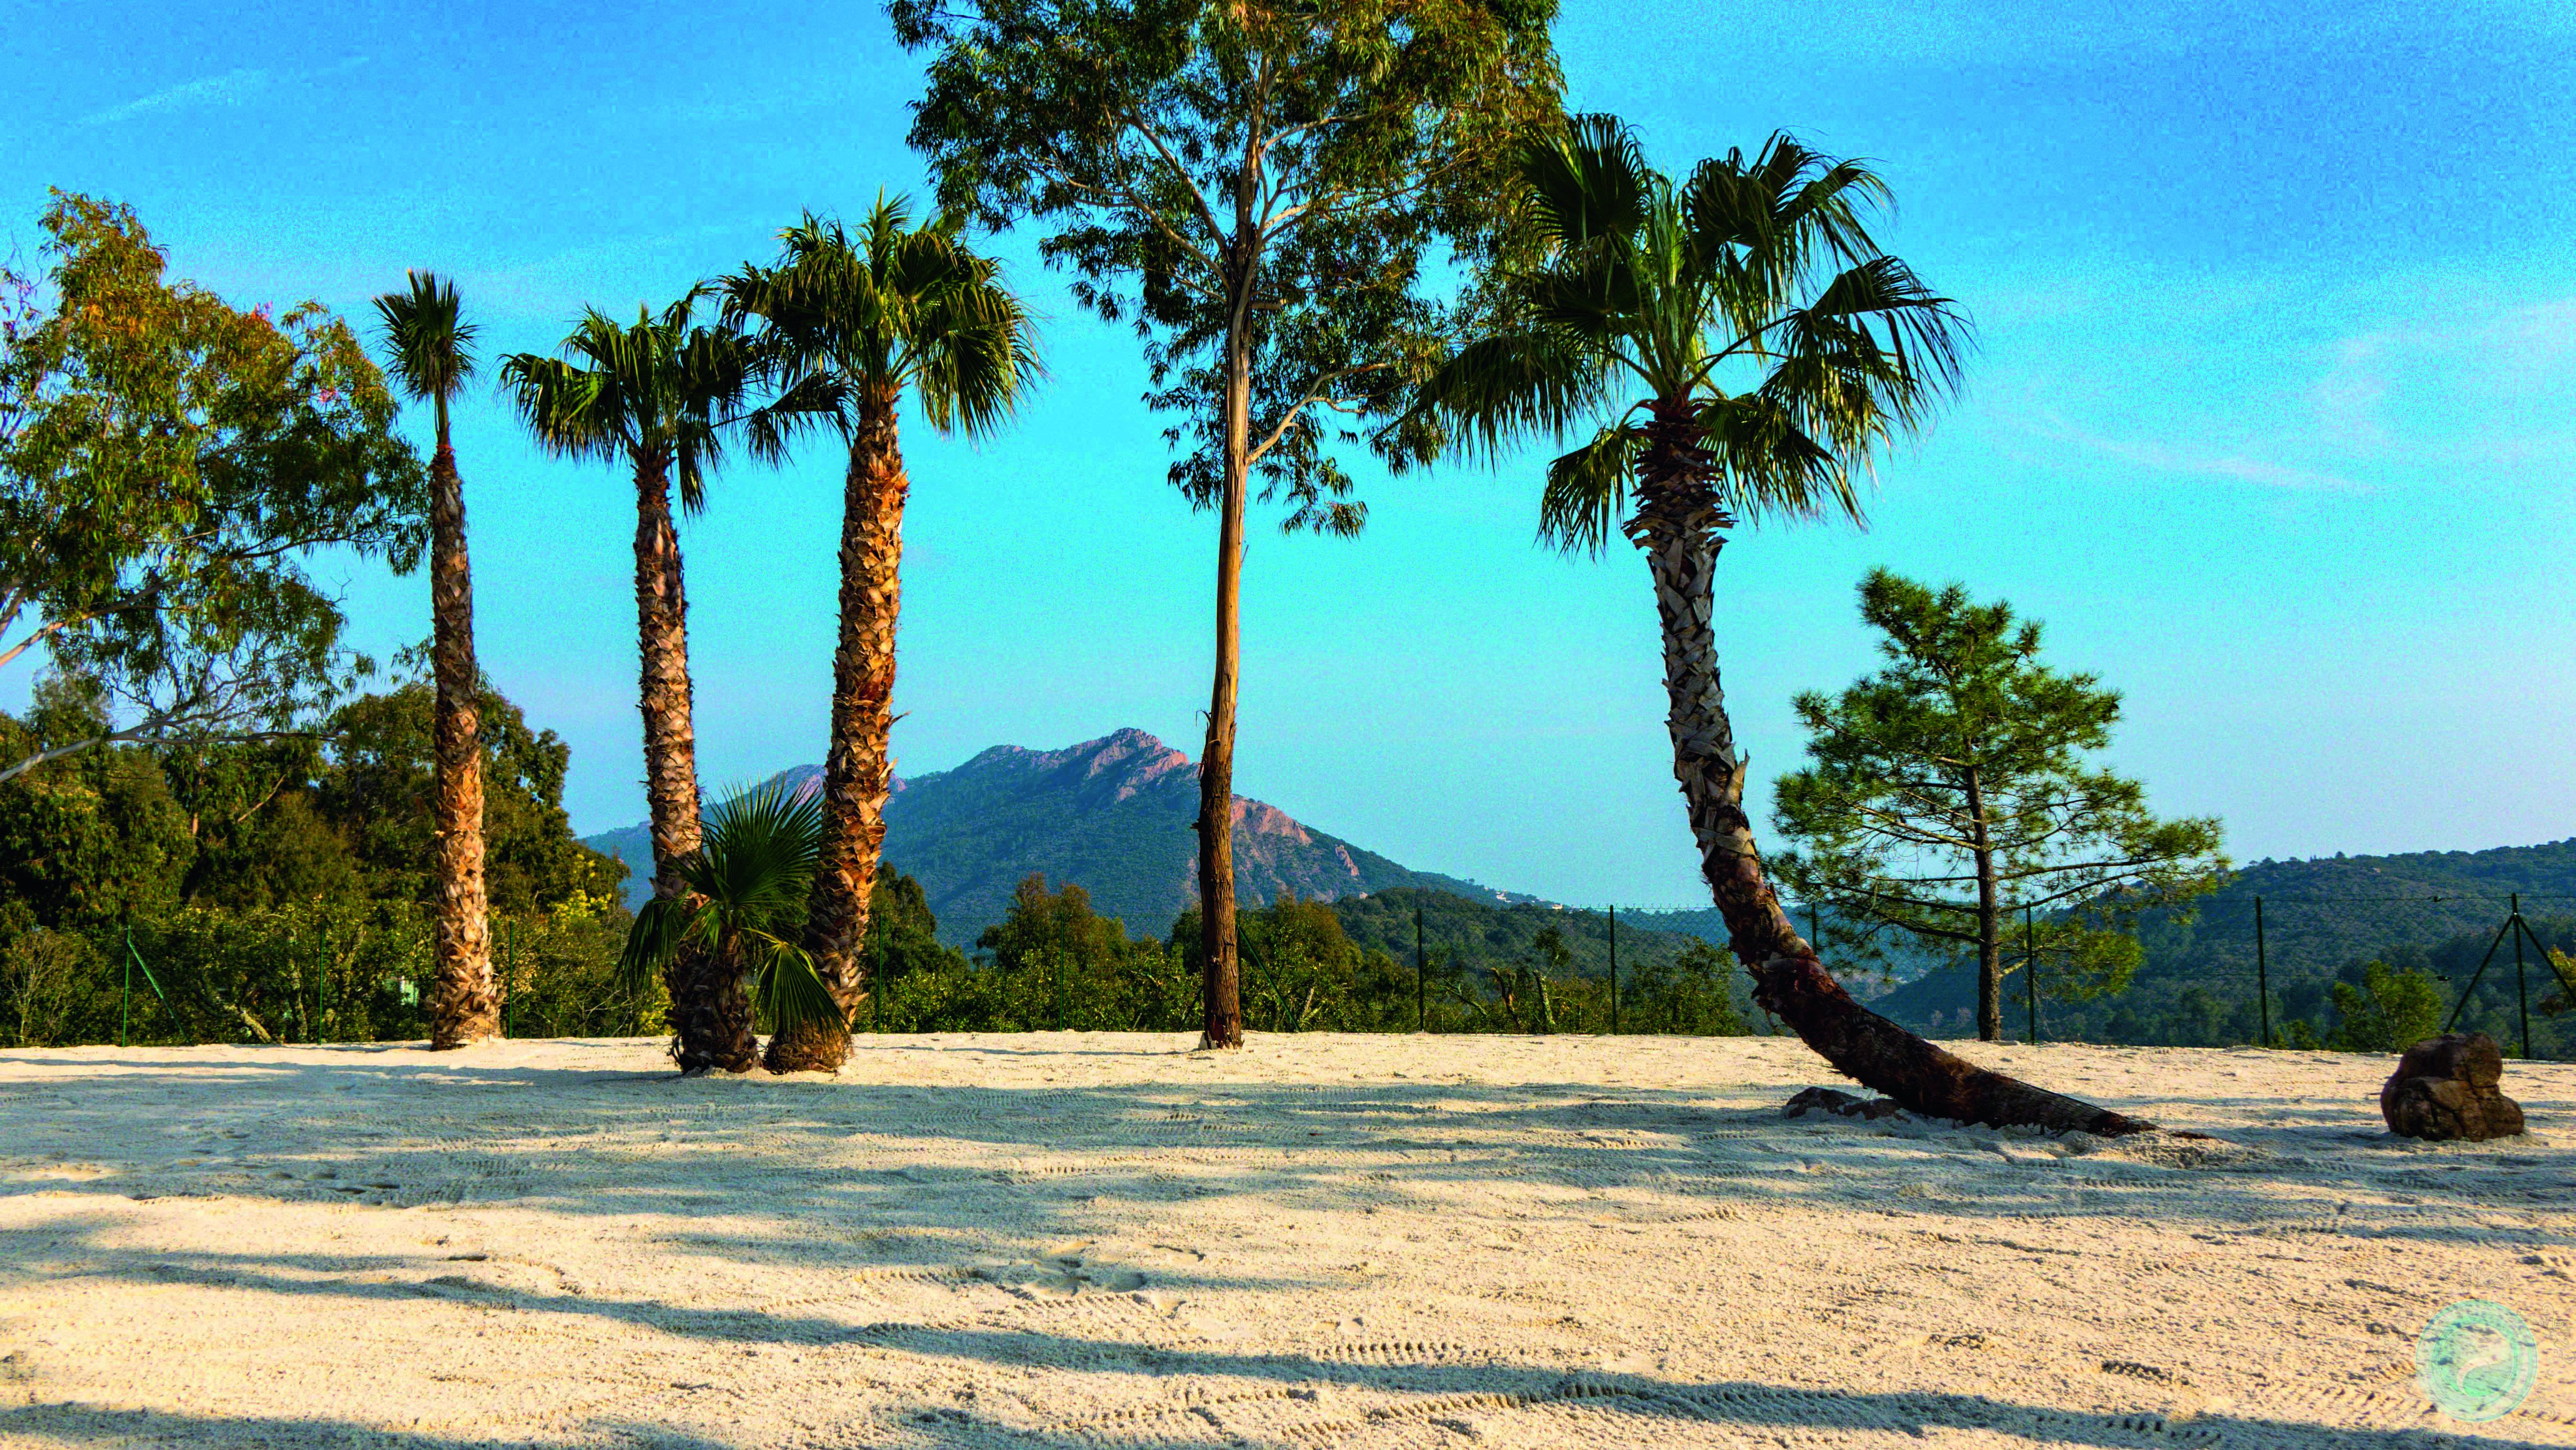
[
  {"x": 1741, "y": 350},
  {"x": 847, "y": 323},
  {"x": 429, "y": 350},
  {"x": 169, "y": 464},
  {"x": 1955, "y": 789},
  {"x": 1255, "y": 188},
  {"x": 655, "y": 395}
]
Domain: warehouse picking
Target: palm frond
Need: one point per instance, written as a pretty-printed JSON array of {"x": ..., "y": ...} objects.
[
  {"x": 1587, "y": 491},
  {"x": 660, "y": 391},
  {"x": 1587, "y": 181},
  {"x": 888, "y": 306},
  {"x": 1923, "y": 332},
  {"x": 1498, "y": 390},
  {"x": 788, "y": 990},
  {"x": 1769, "y": 467},
  {"x": 560, "y": 403},
  {"x": 757, "y": 858},
  {"x": 660, "y": 927},
  {"x": 429, "y": 346},
  {"x": 1763, "y": 228}
]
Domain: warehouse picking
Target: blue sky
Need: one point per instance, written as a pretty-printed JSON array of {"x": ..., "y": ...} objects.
[{"x": 2273, "y": 418}]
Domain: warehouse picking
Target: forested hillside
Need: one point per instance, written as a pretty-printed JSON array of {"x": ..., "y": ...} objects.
[{"x": 2323, "y": 919}]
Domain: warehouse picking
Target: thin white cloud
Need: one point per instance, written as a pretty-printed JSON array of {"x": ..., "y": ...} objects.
[
  {"x": 229, "y": 89},
  {"x": 2238, "y": 465}
]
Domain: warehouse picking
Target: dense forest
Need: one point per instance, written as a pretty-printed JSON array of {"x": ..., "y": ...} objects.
[{"x": 277, "y": 891}]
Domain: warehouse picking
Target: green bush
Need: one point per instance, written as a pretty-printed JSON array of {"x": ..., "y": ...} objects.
[{"x": 2388, "y": 1010}]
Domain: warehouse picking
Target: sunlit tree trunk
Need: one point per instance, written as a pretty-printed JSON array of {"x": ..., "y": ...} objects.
[
  {"x": 1680, "y": 527},
  {"x": 858, "y": 768},
  {"x": 709, "y": 1034},
  {"x": 464, "y": 1005},
  {"x": 1990, "y": 953},
  {"x": 1222, "y": 986}
]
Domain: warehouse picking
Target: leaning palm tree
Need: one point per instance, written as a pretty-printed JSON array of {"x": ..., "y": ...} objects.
[
  {"x": 1766, "y": 351},
  {"x": 653, "y": 394},
  {"x": 430, "y": 351},
  {"x": 848, "y": 321},
  {"x": 736, "y": 925}
]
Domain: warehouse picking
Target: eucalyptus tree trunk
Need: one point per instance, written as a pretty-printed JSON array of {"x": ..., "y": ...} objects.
[
  {"x": 858, "y": 767},
  {"x": 464, "y": 1006},
  {"x": 1990, "y": 953},
  {"x": 1680, "y": 527},
  {"x": 713, "y": 1027},
  {"x": 1221, "y": 985}
]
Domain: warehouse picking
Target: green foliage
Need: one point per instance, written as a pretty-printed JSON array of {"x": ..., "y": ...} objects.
[
  {"x": 1051, "y": 964},
  {"x": 88, "y": 839},
  {"x": 1689, "y": 994},
  {"x": 167, "y": 465},
  {"x": 2387, "y": 1010},
  {"x": 238, "y": 866},
  {"x": 1668, "y": 981},
  {"x": 558, "y": 970},
  {"x": 846, "y": 322},
  {"x": 655, "y": 394},
  {"x": 1747, "y": 302},
  {"x": 428, "y": 342},
  {"x": 1255, "y": 190},
  {"x": 379, "y": 794},
  {"x": 1951, "y": 791},
  {"x": 1056, "y": 964},
  {"x": 743, "y": 905}
]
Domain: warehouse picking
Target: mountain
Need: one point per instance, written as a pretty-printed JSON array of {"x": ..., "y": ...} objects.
[{"x": 1112, "y": 815}]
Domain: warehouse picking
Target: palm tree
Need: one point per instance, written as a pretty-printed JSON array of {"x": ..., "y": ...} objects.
[
  {"x": 430, "y": 352},
  {"x": 847, "y": 321},
  {"x": 654, "y": 394},
  {"x": 735, "y": 925},
  {"x": 1771, "y": 351}
]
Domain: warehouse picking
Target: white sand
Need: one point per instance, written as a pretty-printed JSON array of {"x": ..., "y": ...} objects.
[{"x": 1322, "y": 1241}]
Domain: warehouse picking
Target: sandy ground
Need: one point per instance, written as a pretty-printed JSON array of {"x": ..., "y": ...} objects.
[{"x": 1105, "y": 1240}]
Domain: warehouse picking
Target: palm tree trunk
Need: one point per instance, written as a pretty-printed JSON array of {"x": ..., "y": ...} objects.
[
  {"x": 464, "y": 1006},
  {"x": 671, "y": 768},
  {"x": 1221, "y": 1026},
  {"x": 1680, "y": 527},
  {"x": 858, "y": 768}
]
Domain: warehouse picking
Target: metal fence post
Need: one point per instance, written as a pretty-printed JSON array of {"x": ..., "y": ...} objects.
[
  {"x": 2030, "y": 974},
  {"x": 2262, "y": 974},
  {"x": 2521, "y": 985},
  {"x": 125, "y": 1004},
  {"x": 1421, "y": 995},
  {"x": 1614, "y": 971}
]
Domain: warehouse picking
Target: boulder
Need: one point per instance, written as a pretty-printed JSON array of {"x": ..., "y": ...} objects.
[{"x": 2445, "y": 1088}]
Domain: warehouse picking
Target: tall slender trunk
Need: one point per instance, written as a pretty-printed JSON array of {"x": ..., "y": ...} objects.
[
  {"x": 858, "y": 767},
  {"x": 1222, "y": 977},
  {"x": 709, "y": 1033},
  {"x": 1680, "y": 527},
  {"x": 1990, "y": 949},
  {"x": 464, "y": 1006}
]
